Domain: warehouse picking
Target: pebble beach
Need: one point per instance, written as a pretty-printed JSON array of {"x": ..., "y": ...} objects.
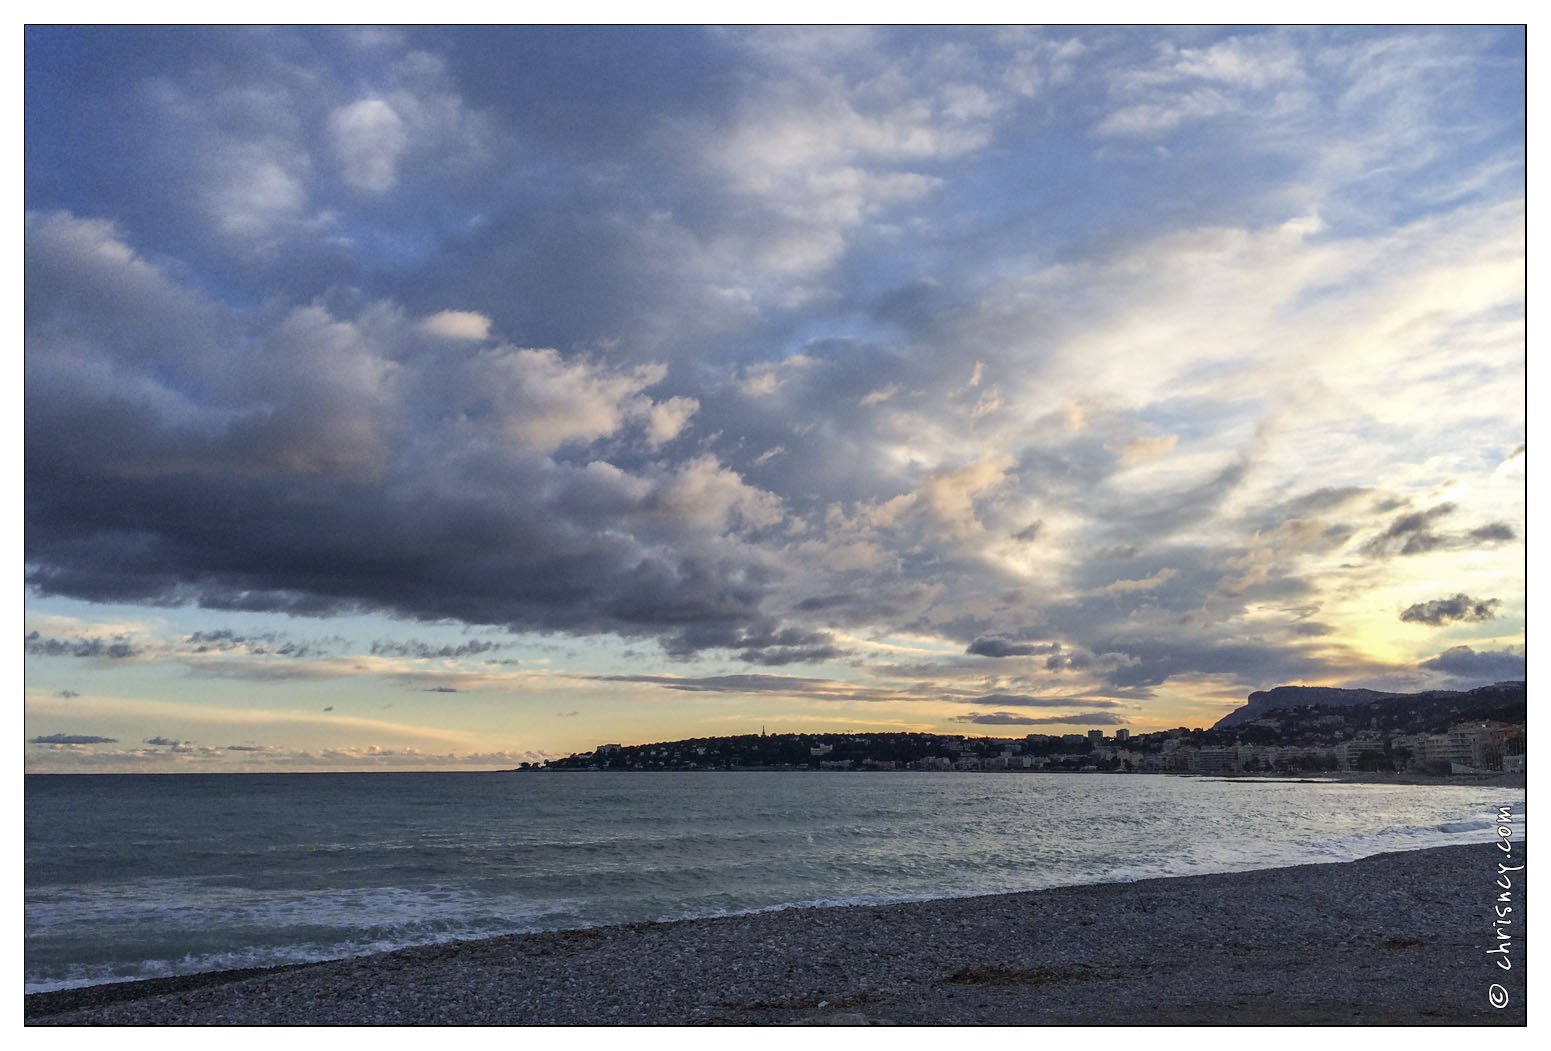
[{"x": 1396, "y": 939}]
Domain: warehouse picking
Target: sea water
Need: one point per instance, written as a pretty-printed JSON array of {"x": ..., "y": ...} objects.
[{"x": 140, "y": 876}]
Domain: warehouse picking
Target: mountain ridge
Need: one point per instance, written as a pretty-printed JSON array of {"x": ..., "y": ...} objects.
[{"x": 1283, "y": 697}]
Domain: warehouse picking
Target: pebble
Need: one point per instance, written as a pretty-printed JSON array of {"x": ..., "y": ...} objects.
[{"x": 1393, "y": 939}]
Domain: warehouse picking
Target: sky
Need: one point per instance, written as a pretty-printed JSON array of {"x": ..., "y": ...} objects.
[{"x": 450, "y": 398}]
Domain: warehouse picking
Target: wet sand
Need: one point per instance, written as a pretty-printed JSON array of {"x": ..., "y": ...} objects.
[{"x": 1396, "y": 939}]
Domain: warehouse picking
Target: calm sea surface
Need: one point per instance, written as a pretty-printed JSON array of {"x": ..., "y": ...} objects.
[{"x": 139, "y": 876}]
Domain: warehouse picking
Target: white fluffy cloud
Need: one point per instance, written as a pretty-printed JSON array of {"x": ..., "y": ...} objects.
[
  {"x": 458, "y": 324},
  {"x": 368, "y": 140}
]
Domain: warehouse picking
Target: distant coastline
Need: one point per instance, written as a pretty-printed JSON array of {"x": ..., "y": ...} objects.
[
  {"x": 1288, "y": 731},
  {"x": 1486, "y": 778}
]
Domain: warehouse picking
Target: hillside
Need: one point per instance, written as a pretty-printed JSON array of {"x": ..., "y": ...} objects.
[{"x": 1504, "y": 701}]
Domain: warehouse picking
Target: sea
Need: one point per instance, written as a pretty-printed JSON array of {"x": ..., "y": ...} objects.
[{"x": 143, "y": 876}]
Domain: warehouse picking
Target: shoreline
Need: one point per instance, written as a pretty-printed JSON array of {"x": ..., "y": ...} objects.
[{"x": 1395, "y": 938}]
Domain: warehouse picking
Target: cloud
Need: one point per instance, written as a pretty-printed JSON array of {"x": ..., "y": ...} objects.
[
  {"x": 118, "y": 648},
  {"x": 527, "y": 329},
  {"x": 417, "y": 650},
  {"x": 458, "y": 324},
  {"x": 1459, "y": 608},
  {"x": 1412, "y": 534},
  {"x": 1143, "y": 450},
  {"x": 1492, "y": 532},
  {"x": 791, "y": 654},
  {"x": 318, "y": 411},
  {"x": 792, "y": 686},
  {"x": 950, "y": 495},
  {"x": 1022, "y": 700},
  {"x": 67, "y": 694},
  {"x": 368, "y": 139},
  {"x": 257, "y": 644},
  {"x": 544, "y": 401},
  {"x": 163, "y": 742},
  {"x": 74, "y": 739},
  {"x": 993, "y": 646},
  {"x": 1463, "y": 662},
  {"x": 1182, "y": 86},
  {"x": 722, "y": 683},
  {"x": 1014, "y": 719},
  {"x": 1157, "y": 580}
]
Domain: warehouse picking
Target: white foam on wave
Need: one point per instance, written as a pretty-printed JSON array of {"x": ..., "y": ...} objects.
[
  {"x": 273, "y": 955},
  {"x": 1030, "y": 834},
  {"x": 1464, "y": 826},
  {"x": 269, "y": 931}
]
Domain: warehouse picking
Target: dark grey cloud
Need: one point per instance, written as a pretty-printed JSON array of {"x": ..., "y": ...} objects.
[
  {"x": 163, "y": 742},
  {"x": 1014, "y": 719},
  {"x": 220, "y": 639},
  {"x": 1420, "y": 543},
  {"x": 1461, "y": 607},
  {"x": 791, "y": 655},
  {"x": 1463, "y": 662},
  {"x": 117, "y": 648},
  {"x": 1078, "y": 661},
  {"x": 1493, "y": 531},
  {"x": 994, "y": 646},
  {"x": 481, "y": 551},
  {"x": 1411, "y": 534},
  {"x": 67, "y": 694},
  {"x": 771, "y": 647},
  {"x": 1414, "y": 534},
  {"x": 258, "y": 644},
  {"x": 425, "y": 651},
  {"x": 441, "y": 689},
  {"x": 329, "y": 471},
  {"x": 816, "y": 603},
  {"x": 74, "y": 739}
]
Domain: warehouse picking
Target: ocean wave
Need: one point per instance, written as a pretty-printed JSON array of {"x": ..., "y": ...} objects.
[{"x": 720, "y": 847}]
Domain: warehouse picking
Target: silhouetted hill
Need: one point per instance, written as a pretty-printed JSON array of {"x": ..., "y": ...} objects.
[{"x": 1497, "y": 701}]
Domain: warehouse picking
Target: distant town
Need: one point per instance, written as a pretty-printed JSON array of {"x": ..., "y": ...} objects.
[{"x": 1439, "y": 733}]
